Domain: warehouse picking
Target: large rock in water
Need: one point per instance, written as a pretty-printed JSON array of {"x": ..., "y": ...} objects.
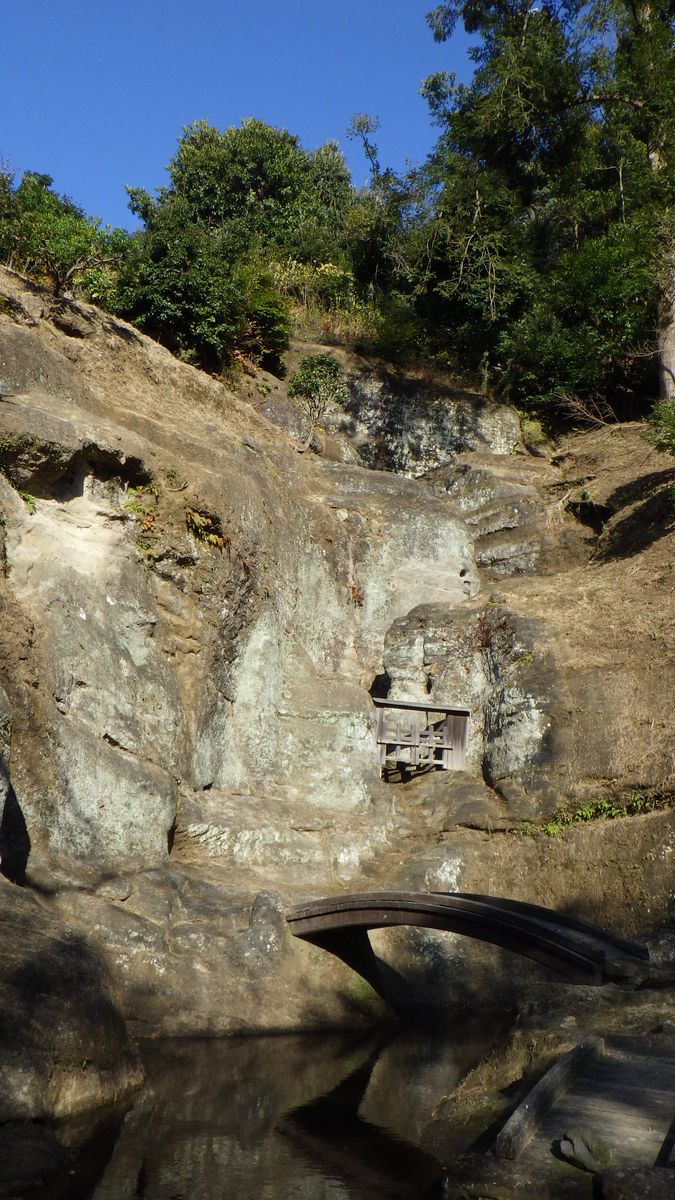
[{"x": 63, "y": 1041}]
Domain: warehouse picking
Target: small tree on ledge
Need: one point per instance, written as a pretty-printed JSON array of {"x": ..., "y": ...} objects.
[{"x": 318, "y": 382}]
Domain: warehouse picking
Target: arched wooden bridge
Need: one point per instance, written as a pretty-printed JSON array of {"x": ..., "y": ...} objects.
[{"x": 574, "y": 948}]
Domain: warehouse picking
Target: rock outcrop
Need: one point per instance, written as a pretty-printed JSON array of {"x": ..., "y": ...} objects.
[
  {"x": 63, "y": 1041},
  {"x": 194, "y": 616},
  {"x": 400, "y": 421}
]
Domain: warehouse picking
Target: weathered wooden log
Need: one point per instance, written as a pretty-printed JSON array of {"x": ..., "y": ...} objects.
[{"x": 522, "y": 1123}]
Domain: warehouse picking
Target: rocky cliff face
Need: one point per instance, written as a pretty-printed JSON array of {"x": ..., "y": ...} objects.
[{"x": 194, "y": 614}]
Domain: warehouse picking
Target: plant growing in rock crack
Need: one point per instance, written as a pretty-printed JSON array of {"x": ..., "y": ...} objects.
[
  {"x": 146, "y": 549},
  {"x": 140, "y": 505},
  {"x": 318, "y": 382},
  {"x": 356, "y": 593},
  {"x": 29, "y": 501},
  {"x": 489, "y": 629},
  {"x": 486, "y": 628},
  {"x": 136, "y": 508},
  {"x": 206, "y": 527},
  {"x": 175, "y": 482}
]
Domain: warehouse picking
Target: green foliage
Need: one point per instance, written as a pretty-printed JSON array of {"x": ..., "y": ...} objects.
[
  {"x": 551, "y": 193},
  {"x": 205, "y": 275},
  {"x": 318, "y": 382},
  {"x": 533, "y": 249},
  {"x": 361, "y": 128},
  {"x": 266, "y": 325},
  {"x": 319, "y": 378},
  {"x": 628, "y": 803},
  {"x": 252, "y": 183},
  {"x": 398, "y": 328},
  {"x": 206, "y": 528},
  {"x": 135, "y": 508},
  {"x": 532, "y": 431},
  {"x": 662, "y": 426},
  {"x": 29, "y": 500},
  {"x": 46, "y": 236},
  {"x": 175, "y": 285},
  {"x": 584, "y": 333}
]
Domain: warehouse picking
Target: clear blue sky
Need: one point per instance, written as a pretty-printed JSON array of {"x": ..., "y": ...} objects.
[{"x": 96, "y": 93}]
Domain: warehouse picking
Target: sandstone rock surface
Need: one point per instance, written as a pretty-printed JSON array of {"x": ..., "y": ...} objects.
[
  {"x": 63, "y": 1041},
  {"x": 194, "y": 616},
  {"x": 398, "y": 421}
]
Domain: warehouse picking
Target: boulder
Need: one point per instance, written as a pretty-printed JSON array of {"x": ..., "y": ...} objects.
[{"x": 63, "y": 1041}]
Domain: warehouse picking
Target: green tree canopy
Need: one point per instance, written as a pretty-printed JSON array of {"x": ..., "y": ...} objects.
[
  {"x": 552, "y": 187},
  {"x": 47, "y": 236},
  {"x": 202, "y": 276}
]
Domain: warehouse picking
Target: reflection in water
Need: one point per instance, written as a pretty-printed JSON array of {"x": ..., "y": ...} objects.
[
  {"x": 332, "y": 1137},
  {"x": 278, "y": 1118},
  {"x": 59, "y": 1162}
]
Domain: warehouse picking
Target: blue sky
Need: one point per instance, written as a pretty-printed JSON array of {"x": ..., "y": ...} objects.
[{"x": 96, "y": 94}]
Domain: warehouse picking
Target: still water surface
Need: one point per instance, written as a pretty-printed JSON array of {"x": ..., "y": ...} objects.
[{"x": 281, "y": 1118}]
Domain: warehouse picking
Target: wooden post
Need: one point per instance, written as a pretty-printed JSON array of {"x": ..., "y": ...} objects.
[{"x": 458, "y": 735}]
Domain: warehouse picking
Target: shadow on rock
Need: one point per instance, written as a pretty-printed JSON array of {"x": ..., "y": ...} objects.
[
  {"x": 63, "y": 1043},
  {"x": 14, "y": 839},
  {"x": 64, "y": 1162}
]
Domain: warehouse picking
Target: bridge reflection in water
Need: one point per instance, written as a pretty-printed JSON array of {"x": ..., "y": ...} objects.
[{"x": 317, "y": 1116}]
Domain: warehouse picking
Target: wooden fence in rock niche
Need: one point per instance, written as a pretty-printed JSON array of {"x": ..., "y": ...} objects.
[{"x": 418, "y": 734}]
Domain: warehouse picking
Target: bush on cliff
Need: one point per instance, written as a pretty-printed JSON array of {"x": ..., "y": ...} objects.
[
  {"x": 46, "y": 236},
  {"x": 201, "y": 276}
]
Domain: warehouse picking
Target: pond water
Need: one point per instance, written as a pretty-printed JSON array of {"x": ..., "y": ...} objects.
[{"x": 320, "y": 1117}]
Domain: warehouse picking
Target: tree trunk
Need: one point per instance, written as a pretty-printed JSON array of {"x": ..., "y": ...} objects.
[{"x": 666, "y": 345}]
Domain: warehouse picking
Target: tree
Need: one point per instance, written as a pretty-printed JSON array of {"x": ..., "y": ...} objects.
[
  {"x": 565, "y": 134},
  {"x": 48, "y": 237},
  {"x": 636, "y": 95},
  {"x": 245, "y": 180},
  {"x": 239, "y": 204},
  {"x": 319, "y": 383},
  {"x": 177, "y": 287},
  {"x": 499, "y": 178}
]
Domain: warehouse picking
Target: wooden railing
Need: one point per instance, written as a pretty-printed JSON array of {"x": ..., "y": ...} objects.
[{"x": 416, "y": 734}]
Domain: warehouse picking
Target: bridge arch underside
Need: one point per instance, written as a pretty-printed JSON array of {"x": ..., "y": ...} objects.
[{"x": 576, "y": 949}]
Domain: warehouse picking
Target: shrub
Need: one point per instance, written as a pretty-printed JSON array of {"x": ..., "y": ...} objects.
[
  {"x": 319, "y": 380},
  {"x": 662, "y": 426},
  {"x": 175, "y": 286},
  {"x": 266, "y": 326},
  {"x": 46, "y": 236}
]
